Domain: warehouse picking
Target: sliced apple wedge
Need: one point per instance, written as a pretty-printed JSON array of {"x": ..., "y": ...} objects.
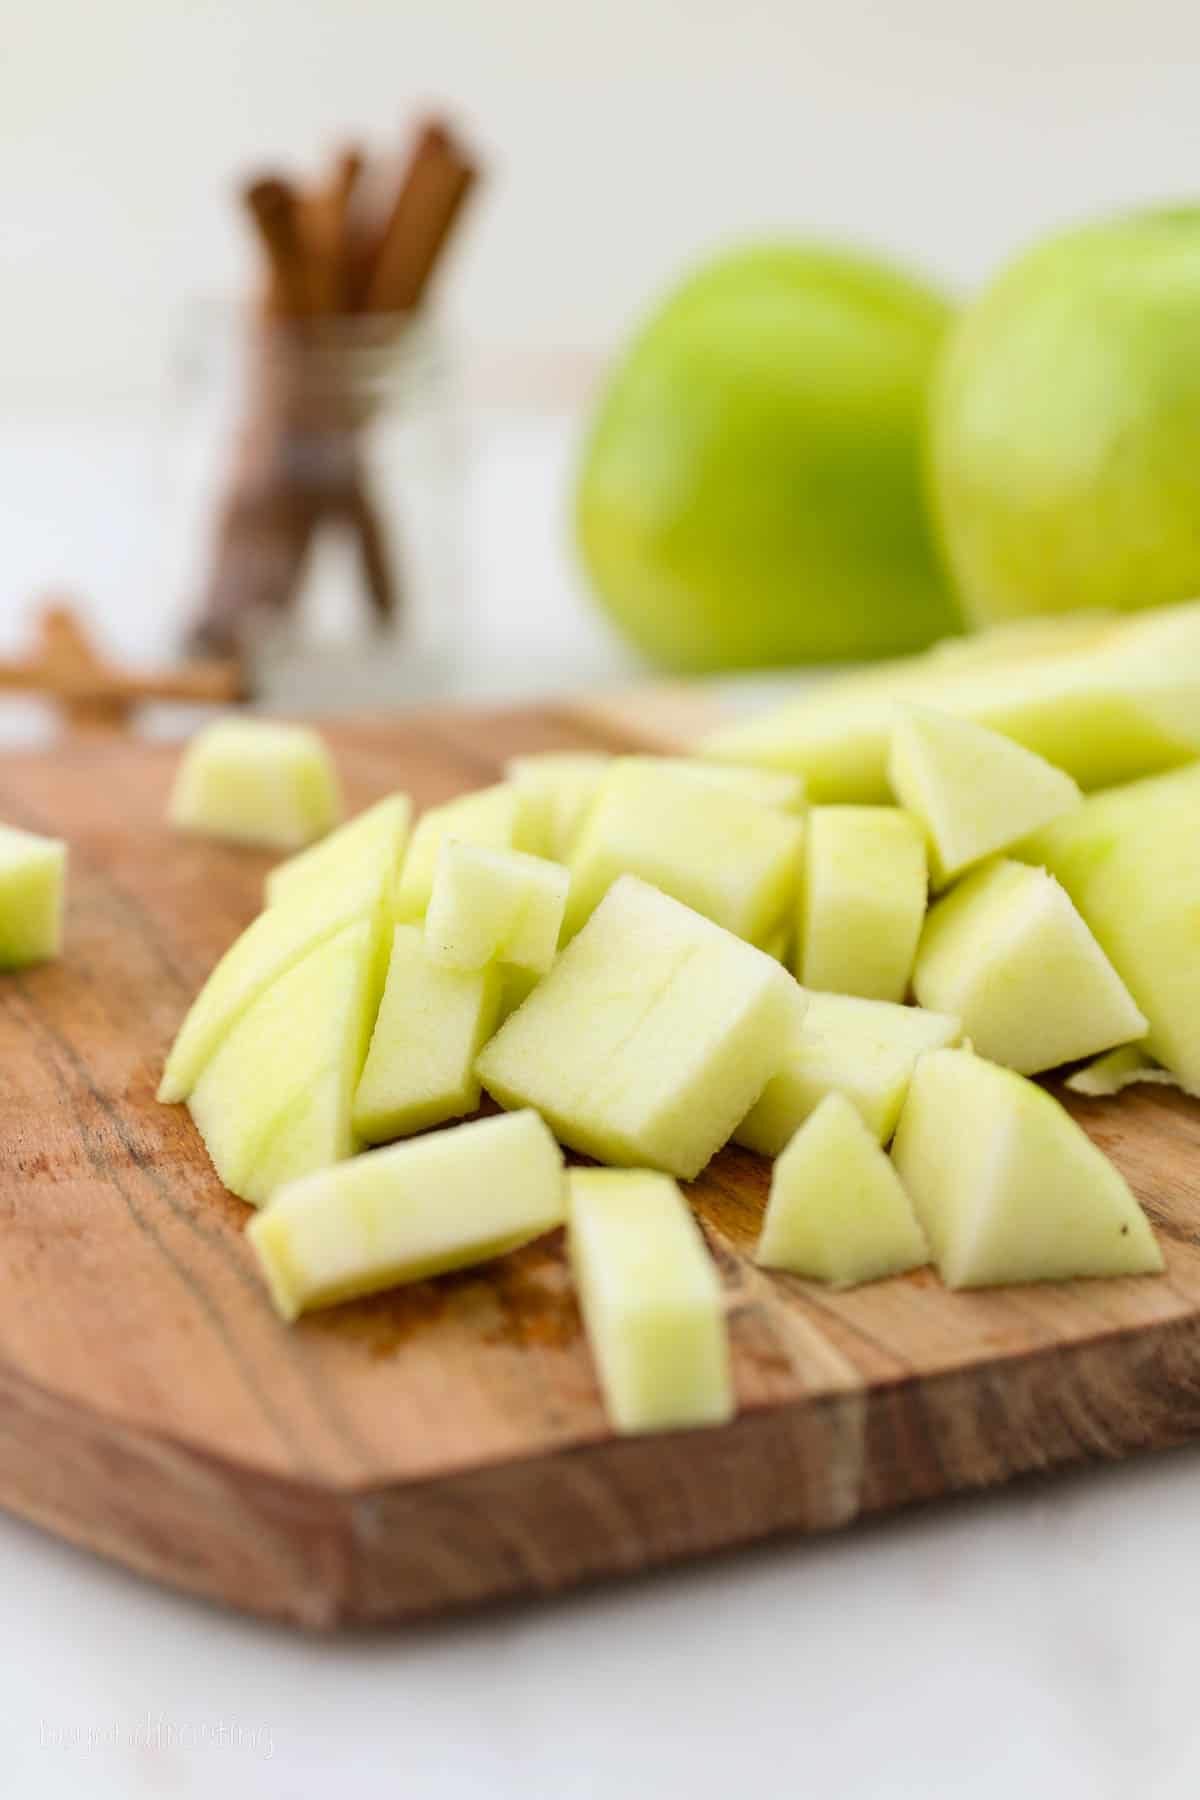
[
  {"x": 1007, "y": 1186},
  {"x": 837, "y": 1210},
  {"x": 411, "y": 1211},
  {"x": 500, "y": 817},
  {"x": 651, "y": 1301},
  {"x": 494, "y": 906},
  {"x": 254, "y": 781},
  {"x": 33, "y": 873},
  {"x": 560, "y": 785},
  {"x": 374, "y": 837},
  {"x": 650, "y": 1038},
  {"x": 863, "y": 892}
]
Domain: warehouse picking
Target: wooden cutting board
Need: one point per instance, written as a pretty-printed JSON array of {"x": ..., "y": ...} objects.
[{"x": 445, "y": 1444}]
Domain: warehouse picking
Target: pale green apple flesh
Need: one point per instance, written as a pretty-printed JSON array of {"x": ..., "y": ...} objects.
[
  {"x": 1007, "y": 1186},
  {"x": 1116, "y": 1070},
  {"x": 863, "y": 1049},
  {"x": 863, "y": 892},
  {"x": 494, "y": 906},
  {"x": 837, "y": 1211},
  {"x": 500, "y": 817},
  {"x": 650, "y": 1038},
  {"x": 404, "y": 1213},
  {"x": 651, "y": 1301},
  {"x": 769, "y": 787},
  {"x": 33, "y": 874},
  {"x": 972, "y": 791},
  {"x": 374, "y": 837},
  {"x": 253, "y": 781},
  {"x": 558, "y": 785},
  {"x": 1008, "y": 953},
  {"x": 432, "y": 1024},
  {"x": 733, "y": 860}
]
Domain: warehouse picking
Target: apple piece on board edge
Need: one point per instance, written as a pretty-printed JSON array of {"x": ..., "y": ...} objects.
[
  {"x": 257, "y": 782},
  {"x": 33, "y": 873}
]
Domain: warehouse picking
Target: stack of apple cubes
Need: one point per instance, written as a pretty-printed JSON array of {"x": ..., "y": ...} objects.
[{"x": 606, "y": 945}]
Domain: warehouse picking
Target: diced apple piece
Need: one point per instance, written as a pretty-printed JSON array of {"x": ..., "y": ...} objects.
[
  {"x": 769, "y": 787},
  {"x": 432, "y": 1024},
  {"x": 1008, "y": 953},
  {"x": 837, "y": 1210},
  {"x": 732, "y": 859},
  {"x": 499, "y": 817},
  {"x": 651, "y": 1301},
  {"x": 1130, "y": 860},
  {"x": 375, "y": 837},
  {"x": 864, "y": 1049},
  {"x": 278, "y": 1092},
  {"x": 1007, "y": 1185},
  {"x": 651, "y": 1037},
  {"x": 33, "y": 872},
  {"x": 561, "y": 785},
  {"x": 494, "y": 906},
  {"x": 411, "y": 1211},
  {"x": 255, "y": 781},
  {"x": 972, "y": 791},
  {"x": 779, "y": 944},
  {"x": 1116, "y": 1070},
  {"x": 863, "y": 893}
]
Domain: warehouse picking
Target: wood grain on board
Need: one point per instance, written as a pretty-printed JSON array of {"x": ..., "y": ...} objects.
[{"x": 445, "y": 1444}]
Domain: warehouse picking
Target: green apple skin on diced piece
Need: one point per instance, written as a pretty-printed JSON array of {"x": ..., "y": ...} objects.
[
  {"x": 560, "y": 785},
  {"x": 1008, "y": 953},
  {"x": 257, "y": 782},
  {"x": 837, "y": 1210},
  {"x": 864, "y": 1049},
  {"x": 650, "y": 1038},
  {"x": 1112, "y": 1073},
  {"x": 494, "y": 906},
  {"x": 411, "y": 1211},
  {"x": 651, "y": 1301},
  {"x": 379, "y": 834},
  {"x": 33, "y": 875},
  {"x": 731, "y": 858},
  {"x": 291, "y": 1064},
  {"x": 432, "y": 1024},
  {"x": 500, "y": 818},
  {"x": 972, "y": 791},
  {"x": 1130, "y": 860},
  {"x": 1007, "y": 1186},
  {"x": 863, "y": 892}
]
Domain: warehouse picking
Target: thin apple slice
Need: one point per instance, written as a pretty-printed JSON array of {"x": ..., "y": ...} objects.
[
  {"x": 864, "y": 1049},
  {"x": 1116, "y": 1070},
  {"x": 376, "y": 837},
  {"x": 1009, "y": 954},
  {"x": 254, "y": 781},
  {"x": 494, "y": 906},
  {"x": 432, "y": 1024},
  {"x": 650, "y": 1038},
  {"x": 1007, "y": 1186},
  {"x": 972, "y": 791},
  {"x": 651, "y": 1301},
  {"x": 411, "y": 1211},
  {"x": 837, "y": 1210},
  {"x": 560, "y": 785},
  {"x": 863, "y": 893},
  {"x": 500, "y": 817},
  {"x": 33, "y": 873}
]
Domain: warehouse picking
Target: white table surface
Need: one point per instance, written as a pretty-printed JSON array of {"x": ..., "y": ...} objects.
[{"x": 1036, "y": 1642}]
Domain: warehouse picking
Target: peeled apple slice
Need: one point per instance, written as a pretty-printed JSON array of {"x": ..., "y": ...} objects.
[
  {"x": 651, "y": 1301},
  {"x": 500, "y": 817},
  {"x": 1130, "y": 860},
  {"x": 411, "y": 1211},
  {"x": 432, "y": 1024},
  {"x": 1007, "y": 1186},
  {"x": 863, "y": 1049},
  {"x": 33, "y": 873},
  {"x": 862, "y": 901},
  {"x": 256, "y": 782},
  {"x": 837, "y": 1210},
  {"x": 1009, "y": 954},
  {"x": 558, "y": 785},
  {"x": 1116, "y": 1070},
  {"x": 651, "y": 1037},
  {"x": 972, "y": 791},
  {"x": 494, "y": 906},
  {"x": 375, "y": 837}
]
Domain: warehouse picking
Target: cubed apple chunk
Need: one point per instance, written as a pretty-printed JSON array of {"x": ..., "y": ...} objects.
[
  {"x": 731, "y": 858},
  {"x": 972, "y": 791},
  {"x": 376, "y": 837},
  {"x": 560, "y": 786},
  {"x": 1007, "y": 1186},
  {"x": 1009, "y": 954},
  {"x": 254, "y": 781},
  {"x": 410, "y": 1211},
  {"x": 432, "y": 1024},
  {"x": 769, "y": 787},
  {"x": 500, "y": 818},
  {"x": 650, "y": 1038},
  {"x": 864, "y": 1049},
  {"x": 863, "y": 893},
  {"x": 1112, "y": 1073},
  {"x": 837, "y": 1210},
  {"x": 33, "y": 873},
  {"x": 494, "y": 906},
  {"x": 651, "y": 1301}
]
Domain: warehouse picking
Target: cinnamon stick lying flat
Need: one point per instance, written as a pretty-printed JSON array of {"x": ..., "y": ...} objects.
[{"x": 437, "y": 181}]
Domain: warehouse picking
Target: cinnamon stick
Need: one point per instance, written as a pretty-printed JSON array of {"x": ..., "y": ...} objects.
[
  {"x": 274, "y": 210},
  {"x": 437, "y": 180},
  {"x": 326, "y": 221}
]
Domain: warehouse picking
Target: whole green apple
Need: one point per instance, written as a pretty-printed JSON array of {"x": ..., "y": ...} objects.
[
  {"x": 1064, "y": 452},
  {"x": 750, "y": 491}
]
